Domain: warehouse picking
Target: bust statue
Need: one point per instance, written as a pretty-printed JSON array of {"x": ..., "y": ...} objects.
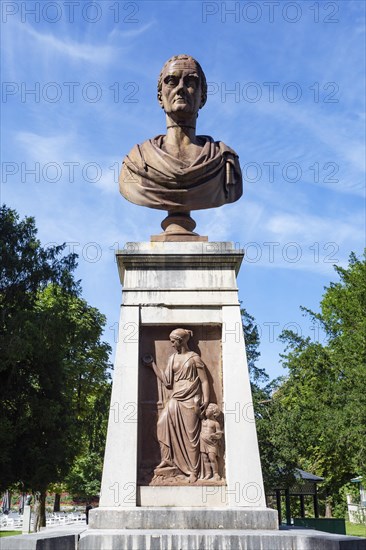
[{"x": 181, "y": 171}]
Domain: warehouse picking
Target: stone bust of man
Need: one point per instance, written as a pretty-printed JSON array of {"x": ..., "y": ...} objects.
[{"x": 181, "y": 171}]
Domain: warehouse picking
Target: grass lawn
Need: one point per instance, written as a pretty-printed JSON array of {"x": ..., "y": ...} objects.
[
  {"x": 9, "y": 533},
  {"x": 356, "y": 529}
]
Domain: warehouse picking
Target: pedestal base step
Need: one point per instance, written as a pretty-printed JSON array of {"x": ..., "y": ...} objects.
[
  {"x": 115, "y": 539},
  {"x": 55, "y": 538},
  {"x": 166, "y": 518}
]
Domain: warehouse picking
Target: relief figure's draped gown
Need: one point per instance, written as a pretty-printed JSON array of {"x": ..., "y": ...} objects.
[{"x": 179, "y": 425}]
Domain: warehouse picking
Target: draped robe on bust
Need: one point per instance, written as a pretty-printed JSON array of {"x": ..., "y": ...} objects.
[
  {"x": 179, "y": 425},
  {"x": 152, "y": 177}
]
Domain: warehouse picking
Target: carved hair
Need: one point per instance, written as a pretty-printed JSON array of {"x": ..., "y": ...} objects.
[
  {"x": 181, "y": 334},
  {"x": 201, "y": 74}
]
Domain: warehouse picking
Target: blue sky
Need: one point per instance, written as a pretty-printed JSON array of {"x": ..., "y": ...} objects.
[{"x": 286, "y": 91}]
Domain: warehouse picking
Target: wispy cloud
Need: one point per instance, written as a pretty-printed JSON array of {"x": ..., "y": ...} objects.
[
  {"x": 279, "y": 239},
  {"x": 71, "y": 48},
  {"x": 305, "y": 227},
  {"x": 132, "y": 33},
  {"x": 48, "y": 148}
]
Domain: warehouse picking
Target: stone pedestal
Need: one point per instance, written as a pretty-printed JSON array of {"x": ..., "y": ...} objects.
[{"x": 167, "y": 285}]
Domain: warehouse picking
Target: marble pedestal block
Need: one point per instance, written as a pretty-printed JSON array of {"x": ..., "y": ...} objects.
[{"x": 167, "y": 285}]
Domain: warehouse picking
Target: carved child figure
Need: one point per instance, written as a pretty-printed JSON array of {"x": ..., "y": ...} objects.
[{"x": 210, "y": 435}]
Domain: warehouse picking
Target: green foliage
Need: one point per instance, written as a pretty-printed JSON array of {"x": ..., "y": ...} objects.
[
  {"x": 278, "y": 462},
  {"x": 84, "y": 478},
  {"x": 54, "y": 364},
  {"x": 251, "y": 336},
  {"x": 321, "y": 406},
  {"x": 340, "y": 509}
]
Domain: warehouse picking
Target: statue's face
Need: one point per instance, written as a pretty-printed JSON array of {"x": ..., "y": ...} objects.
[
  {"x": 177, "y": 343},
  {"x": 210, "y": 412},
  {"x": 181, "y": 88}
]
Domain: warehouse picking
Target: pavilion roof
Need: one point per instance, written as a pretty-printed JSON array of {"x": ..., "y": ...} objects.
[{"x": 308, "y": 476}]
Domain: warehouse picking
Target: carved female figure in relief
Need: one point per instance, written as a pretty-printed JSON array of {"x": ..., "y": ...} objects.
[{"x": 179, "y": 425}]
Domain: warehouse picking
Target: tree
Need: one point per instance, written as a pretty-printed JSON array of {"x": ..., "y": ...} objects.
[
  {"x": 277, "y": 461},
  {"x": 84, "y": 478},
  {"x": 252, "y": 342},
  {"x": 323, "y": 400},
  {"x": 54, "y": 361},
  {"x": 26, "y": 269}
]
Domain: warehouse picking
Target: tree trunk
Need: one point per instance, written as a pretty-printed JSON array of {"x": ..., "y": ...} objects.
[
  {"x": 39, "y": 510},
  {"x": 37, "y": 513},
  {"x": 43, "y": 509},
  {"x": 56, "y": 504}
]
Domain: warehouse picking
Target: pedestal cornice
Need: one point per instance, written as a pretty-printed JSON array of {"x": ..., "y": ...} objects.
[{"x": 173, "y": 255}]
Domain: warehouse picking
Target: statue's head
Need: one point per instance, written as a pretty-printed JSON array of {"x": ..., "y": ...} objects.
[
  {"x": 181, "y": 335},
  {"x": 212, "y": 410},
  {"x": 182, "y": 85}
]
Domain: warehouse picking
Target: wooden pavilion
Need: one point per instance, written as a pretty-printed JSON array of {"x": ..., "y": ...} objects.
[{"x": 305, "y": 485}]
